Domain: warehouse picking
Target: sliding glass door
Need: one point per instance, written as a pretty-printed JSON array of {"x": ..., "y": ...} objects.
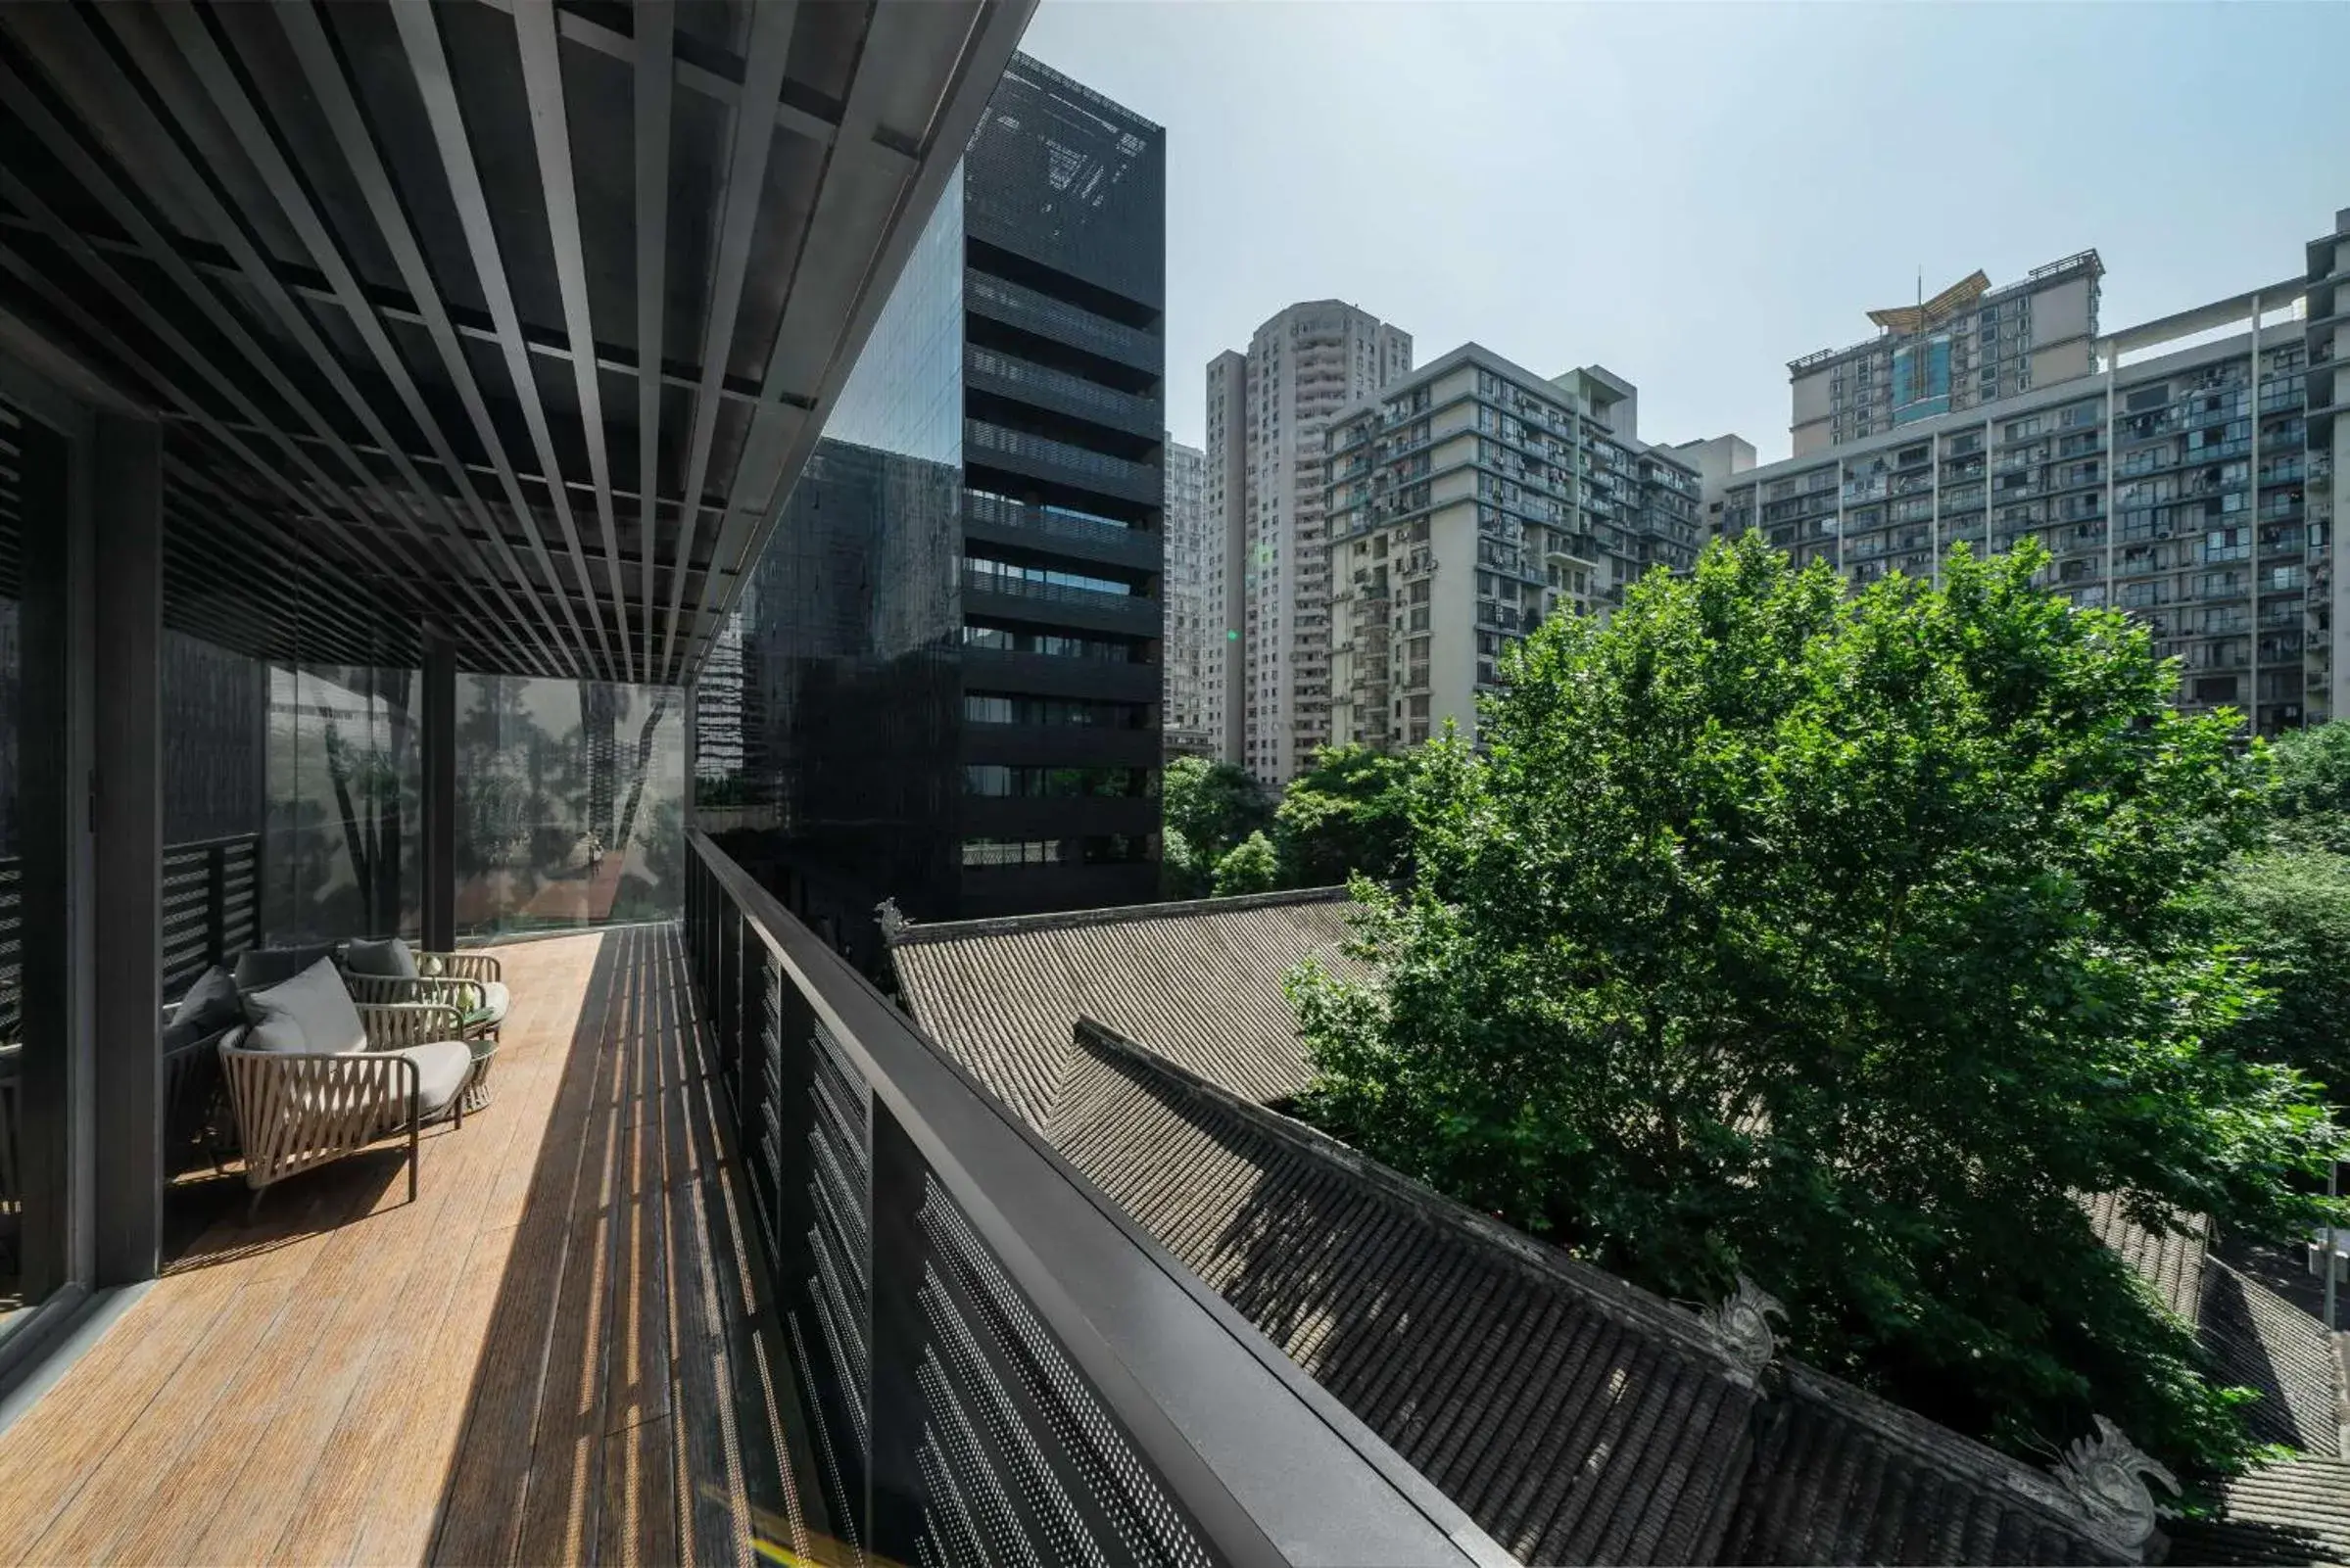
[{"x": 37, "y": 1047}]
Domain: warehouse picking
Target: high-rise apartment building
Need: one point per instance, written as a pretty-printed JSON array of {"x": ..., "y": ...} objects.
[
  {"x": 950, "y": 652},
  {"x": 1194, "y": 608},
  {"x": 2326, "y": 445},
  {"x": 1468, "y": 502},
  {"x": 1267, "y": 410},
  {"x": 2183, "y": 480},
  {"x": 1967, "y": 346}
]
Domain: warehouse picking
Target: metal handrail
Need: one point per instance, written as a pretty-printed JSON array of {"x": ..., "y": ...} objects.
[
  {"x": 985, "y": 582},
  {"x": 1255, "y": 1463}
]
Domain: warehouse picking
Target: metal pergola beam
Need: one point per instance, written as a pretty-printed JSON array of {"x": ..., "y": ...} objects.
[
  {"x": 543, "y": 81},
  {"x": 285, "y": 228},
  {"x": 738, "y": 215},
  {"x": 235, "y": 106}
]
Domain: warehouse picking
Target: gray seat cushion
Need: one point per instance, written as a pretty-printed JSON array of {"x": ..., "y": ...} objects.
[
  {"x": 389, "y": 958},
  {"x": 441, "y": 1067},
  {"x": 492, "y": 1010},
  {"x": 257, "y": 966},
  {"x": 312, "y": 1012}
]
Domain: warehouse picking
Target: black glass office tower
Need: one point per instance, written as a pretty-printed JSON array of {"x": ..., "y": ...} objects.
[{"x": 942, "y": 684}]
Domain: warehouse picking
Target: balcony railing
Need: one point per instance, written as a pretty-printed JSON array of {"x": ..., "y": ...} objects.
[
  {"x": 212, "y": 901},
  {"x": 976, "y": 581},
  {"x": 1137, "y": 480},
  {"x": 1062, "y": 322},
  {"x": 1058, "y": 389},
  {"x": 994, "y": 1362},
  {"x": 212, "y": 905},
  {"x": 1093, "y": 536}
]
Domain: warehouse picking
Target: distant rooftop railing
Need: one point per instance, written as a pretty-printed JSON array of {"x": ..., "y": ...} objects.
[{"x": 993, "y": 1362}]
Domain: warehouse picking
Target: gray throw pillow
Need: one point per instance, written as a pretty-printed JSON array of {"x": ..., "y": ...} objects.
[
  {"x": 209, "y": 1005},
  {"x": 310, "y": 1013},
  {"x": 389, "y": 958}
]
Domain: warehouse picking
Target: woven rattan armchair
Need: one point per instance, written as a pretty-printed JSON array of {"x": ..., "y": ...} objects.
[
  {"x": 474, "y": 983},
  {"x": 296, "y": 1111}
]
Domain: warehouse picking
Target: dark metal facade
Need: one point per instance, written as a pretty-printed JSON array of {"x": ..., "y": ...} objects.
[{"x": 943, "y": 686}]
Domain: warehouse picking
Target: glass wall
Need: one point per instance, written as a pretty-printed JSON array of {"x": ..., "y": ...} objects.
[
  {"x": 570, "y": 805},
  {"x": 35, "y": 1045},
  {"x": 344, "y": 792}
]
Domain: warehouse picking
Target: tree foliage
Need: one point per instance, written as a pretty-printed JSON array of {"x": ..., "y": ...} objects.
[
  {"x": 1206, "y": 808},
  {"x": 1843, "y": 940},
  {"x": 1348, "y": 812},
  {"x": 2312, "y": 799},
  {"x": 2289, "y": 907},
  {"x": 1250, "y": 866}
]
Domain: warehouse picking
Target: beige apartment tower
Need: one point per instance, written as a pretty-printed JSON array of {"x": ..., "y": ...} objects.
[
  {"x": 1968, "y": 345},
  {"x": 1195, "y": 632},
  {"x": 1268, "y": 546},
  {"x": 1468, "y": 503}
]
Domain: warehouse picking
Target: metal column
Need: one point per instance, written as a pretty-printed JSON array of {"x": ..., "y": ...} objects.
[
  {"x": 128, "y": 845},
  {"x": 438, "y": 761}
]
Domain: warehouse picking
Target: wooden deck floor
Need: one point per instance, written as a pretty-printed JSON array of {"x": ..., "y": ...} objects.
[{"x": 559, "y": 1353}]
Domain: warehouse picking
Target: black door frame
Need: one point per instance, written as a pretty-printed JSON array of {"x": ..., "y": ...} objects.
[{"x": 91, "y": 775}]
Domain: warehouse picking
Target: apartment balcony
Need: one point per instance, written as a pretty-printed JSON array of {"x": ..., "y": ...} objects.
[
  {"x": 1016, "y": 306},
  {"x": 995, "y": 520},
  {"x": 1001, "y": 594},
  {"x": 1044, "y": 459},
  {"x": 562, "y": 1347},
  {"x": 1024, "y": 381}
]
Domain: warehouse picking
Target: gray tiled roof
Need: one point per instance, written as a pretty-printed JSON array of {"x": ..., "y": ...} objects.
[
  {"x": 2258, "y": 1339},
  {"x": 1574, "y": 1418},
  {"x": 1200, "y": 980},
  {"x": 2171, "y": 1261},
  {"x": 2265, "y": 1341},
  {"x": 2295, "y": 1512}
]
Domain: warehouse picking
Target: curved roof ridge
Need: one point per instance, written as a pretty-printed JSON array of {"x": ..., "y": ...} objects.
[{"x": 914, "y": 934}]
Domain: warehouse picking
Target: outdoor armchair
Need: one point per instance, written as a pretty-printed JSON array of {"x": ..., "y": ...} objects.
[{"x": 296, "y": 1110}]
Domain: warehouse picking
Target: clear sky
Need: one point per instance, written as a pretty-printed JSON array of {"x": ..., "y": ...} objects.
[{"x": 1692, "y": 194}]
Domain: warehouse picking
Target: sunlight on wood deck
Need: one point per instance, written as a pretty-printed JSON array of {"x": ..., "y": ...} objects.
[{"x": 561, "y": 1352}]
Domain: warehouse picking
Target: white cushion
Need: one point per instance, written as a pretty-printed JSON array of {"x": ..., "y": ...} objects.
[
  {"x": 441, "y": 1067},
  {"x": 310, "y": 1013}
]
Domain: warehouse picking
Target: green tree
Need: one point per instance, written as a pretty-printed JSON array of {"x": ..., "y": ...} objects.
[
  {"x": 1350, "y": 812},
  {"x": 2289, "y": 907},
  {"x": 2312, "y": 800},
  {"x": 1843, "y": 940},
  {"x": 1251, "y": 866},
  {"x": 1212, "y": 806}
]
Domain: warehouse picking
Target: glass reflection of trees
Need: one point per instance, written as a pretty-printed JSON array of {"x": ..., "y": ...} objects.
[{"x": 569, "y": 803}]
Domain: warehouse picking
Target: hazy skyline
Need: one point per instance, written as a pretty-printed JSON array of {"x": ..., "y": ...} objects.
[{"x": 1693, "y": 195}]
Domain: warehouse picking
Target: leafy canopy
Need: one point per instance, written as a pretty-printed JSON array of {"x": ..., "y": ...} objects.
[
  {"x": 1250, "y": 866},
  {"x": 1843, "y": 940},
  {"x": 2290, "y": 905},
  {"x": 2312, "y": 800},
  {"x": 1349, "y": 812},
  {"x": 1206, "y": 808}
]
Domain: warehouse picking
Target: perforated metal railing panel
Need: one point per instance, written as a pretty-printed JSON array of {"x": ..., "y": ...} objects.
[
  {"x": 990, "y": 1368},
  {"x": 1019, "y": 1454}
]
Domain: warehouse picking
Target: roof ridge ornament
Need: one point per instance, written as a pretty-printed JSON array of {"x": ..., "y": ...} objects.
[
  {"x": 1741, "y": 1325},
  {"x": 891, "y": 920},
  {"x": 2106, "y": 1477}
]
